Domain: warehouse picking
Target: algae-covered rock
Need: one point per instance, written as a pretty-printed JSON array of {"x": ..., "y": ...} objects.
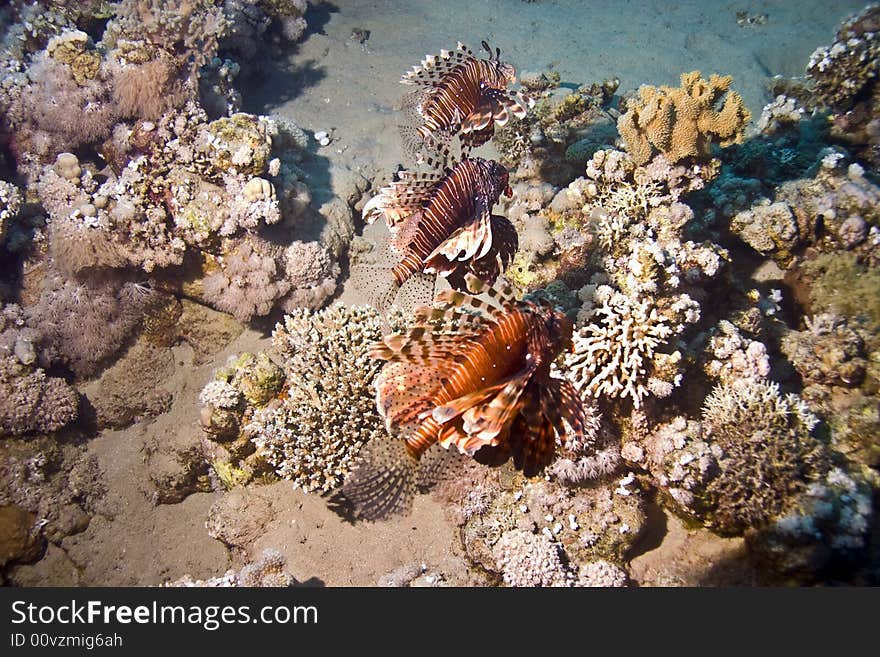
[
  {"x": 18, "y": 542},
  {"x": 257, "y": 377},
  {"x": 240, "y": 142}
]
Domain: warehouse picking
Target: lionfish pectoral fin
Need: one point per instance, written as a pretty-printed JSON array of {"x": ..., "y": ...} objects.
[
  {"x": 471, "y": 241},
  {"x": 416, "y": 291},
  {"x": 504, "y": 239},
  {"x": 487, "y": 420},
  {"x": 383, "y": 481},
  {"x": 454, "y": 408},
  {"x": 436, "y": 465},
  {"x": 533, "y": 440},
  {"x": 405, "y": 392},
  {"x": 373, "y": 209},
  {"x": 403, "y": 232},
  {"x": 377, "y": 284},
  {"x": 570, "y": 408},
  {"x": 426, "y": 148}
]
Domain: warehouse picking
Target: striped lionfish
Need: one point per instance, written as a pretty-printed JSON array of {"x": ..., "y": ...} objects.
[
  {"x": 442, "y": 222},
  {"x": 458, "y": 94},
  {"x": 472, "y": 374}
]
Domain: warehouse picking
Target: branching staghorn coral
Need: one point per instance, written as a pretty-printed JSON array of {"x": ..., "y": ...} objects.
[
  {"x": 327, "y": 412},
  {"x": 682, "y": 122}
]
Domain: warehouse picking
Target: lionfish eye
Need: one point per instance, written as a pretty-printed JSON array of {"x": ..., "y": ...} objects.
[{"x": 497, "y": 54}]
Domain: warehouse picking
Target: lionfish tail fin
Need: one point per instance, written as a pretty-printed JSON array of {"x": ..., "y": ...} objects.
[
  {"x": 383, "y": 481},
  {"x": 377, "y": 284},
  {"x": 432, "y": 149}
]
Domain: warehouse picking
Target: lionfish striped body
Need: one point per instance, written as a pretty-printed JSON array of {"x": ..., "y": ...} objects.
[
  {"x": 459, "y": 94},
  {"x": 474, "y": 375},
  {"x": 443, "y": 223}
]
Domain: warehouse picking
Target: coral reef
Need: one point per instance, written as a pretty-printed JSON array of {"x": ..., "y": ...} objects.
[
  {"x": 616, "y": 354},
  {"x": 31, "y": 400},
  {"x": 682, "y": 122},
  {"x": 527, "y": 559},
  {"x": 834, "y": 357},
  {"x": 845, "y": 76},
  {"x": 10, "y": 204},
  {"x": 563, "y": 130},
  {"x": 767, "y": 452},
  {"x": 541, "y": 533},
  {"x": 327, "y": 411},
  {"x": 155, "y": 183}
]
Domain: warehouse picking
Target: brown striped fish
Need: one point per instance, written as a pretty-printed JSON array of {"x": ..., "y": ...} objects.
[
  {"x": 471, "y": 374},
  {"x": 458, "y": 94},
  {"x": 442, "y": 222}
]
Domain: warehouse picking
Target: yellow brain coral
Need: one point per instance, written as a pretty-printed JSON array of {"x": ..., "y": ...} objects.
[{"x": 682, "y": 122}]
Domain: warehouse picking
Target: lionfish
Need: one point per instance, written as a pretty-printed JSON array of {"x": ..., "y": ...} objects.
[
  {"x": 471, "y": 374},
  {"x": 442, "y": 222},
  {"x": 459, "y": 94}
]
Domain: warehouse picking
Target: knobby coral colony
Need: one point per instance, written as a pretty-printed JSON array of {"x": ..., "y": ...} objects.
[
  {"x": 458, "y": 94},
  {"x": 443, "y": 223},
  {"x": 472, "y": 374}
]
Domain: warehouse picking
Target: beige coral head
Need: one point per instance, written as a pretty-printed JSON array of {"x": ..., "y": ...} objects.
[{"x": 681, "y": 122}]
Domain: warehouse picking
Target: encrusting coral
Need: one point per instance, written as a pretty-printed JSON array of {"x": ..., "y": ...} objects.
[{"x": 682, "y": 122}]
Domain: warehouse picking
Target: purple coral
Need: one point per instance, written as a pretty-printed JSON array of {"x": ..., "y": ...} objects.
[
  {"x": 249, "y": 281},
  {"x": 83, "y": 323}
]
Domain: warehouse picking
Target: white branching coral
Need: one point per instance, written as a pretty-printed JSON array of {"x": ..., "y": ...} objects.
[
  {"x": 327, "y": 411},
  {"x": 617, "y": 353},
  {"x": 745, "y": 404}
]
